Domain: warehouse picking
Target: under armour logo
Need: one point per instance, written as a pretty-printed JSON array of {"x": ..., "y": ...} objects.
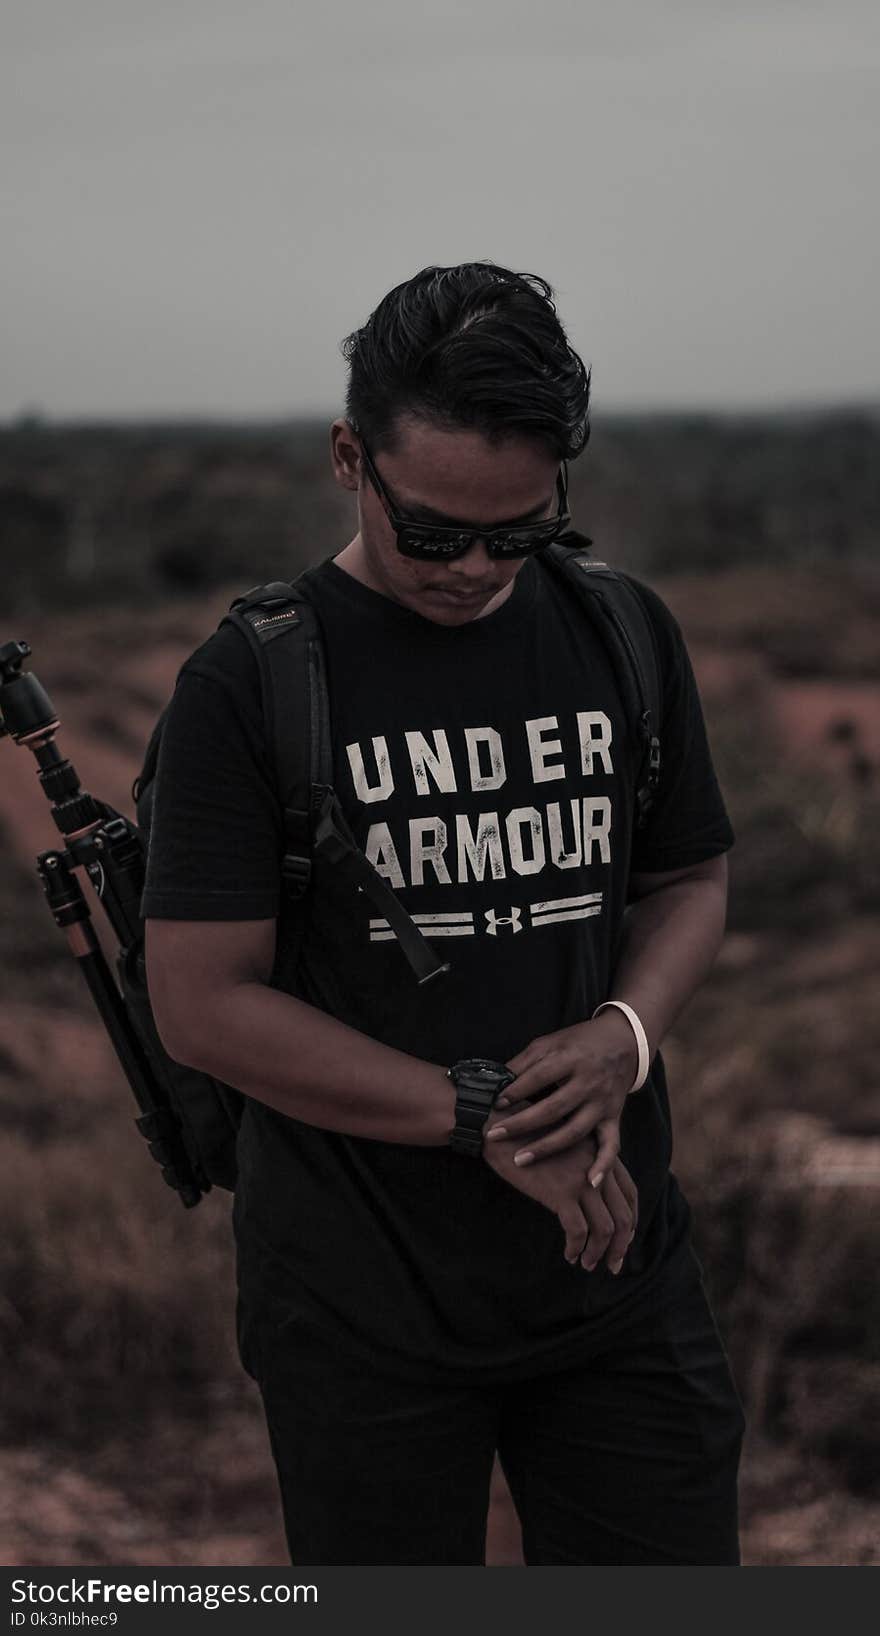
[{"x": 493, "y": 921}]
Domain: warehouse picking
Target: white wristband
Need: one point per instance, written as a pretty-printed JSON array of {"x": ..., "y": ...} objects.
[{"x": 641, "y": 1041}]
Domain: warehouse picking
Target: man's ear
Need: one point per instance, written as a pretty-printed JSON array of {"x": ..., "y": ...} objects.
[{"x": 345, "y": 454}]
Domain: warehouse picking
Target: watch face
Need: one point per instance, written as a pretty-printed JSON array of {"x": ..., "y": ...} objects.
[{"x": 482, "y": 1069}]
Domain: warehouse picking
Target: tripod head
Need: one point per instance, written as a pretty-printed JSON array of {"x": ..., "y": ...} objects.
[
  {"x": 25, "y": 706},
  {"x": 28, "y": 716},
  {"x": 11, "y": 655}
]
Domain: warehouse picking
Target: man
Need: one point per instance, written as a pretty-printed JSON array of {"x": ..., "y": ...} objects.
[{"x": 406, "y": 1307}]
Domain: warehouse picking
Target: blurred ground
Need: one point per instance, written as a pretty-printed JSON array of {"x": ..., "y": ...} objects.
[{"x": 131, "y": 1435}]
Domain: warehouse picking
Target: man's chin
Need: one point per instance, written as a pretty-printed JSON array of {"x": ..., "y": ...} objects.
[{"x": 448, "y": 608}]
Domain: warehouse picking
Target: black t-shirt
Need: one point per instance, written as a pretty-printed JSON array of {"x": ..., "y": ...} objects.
[{"x": 487, "y": 770}]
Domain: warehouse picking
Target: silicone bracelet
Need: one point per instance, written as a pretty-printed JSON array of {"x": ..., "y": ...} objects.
[{"x": 641, "y": 1041}]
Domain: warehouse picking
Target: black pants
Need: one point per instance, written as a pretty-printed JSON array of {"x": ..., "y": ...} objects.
[{"x": 631, "y": 1458}]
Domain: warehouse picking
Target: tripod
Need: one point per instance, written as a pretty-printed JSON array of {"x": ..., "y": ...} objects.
[{"x": 110, "y": 849}]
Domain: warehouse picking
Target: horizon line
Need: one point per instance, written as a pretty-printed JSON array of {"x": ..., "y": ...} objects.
[{"x": 37, "y": 418}]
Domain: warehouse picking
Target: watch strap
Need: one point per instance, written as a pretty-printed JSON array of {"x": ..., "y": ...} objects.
[{"x": 478, "y": 1081}]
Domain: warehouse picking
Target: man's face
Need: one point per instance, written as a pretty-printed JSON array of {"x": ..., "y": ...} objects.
[{"x": 453, "y": 477}]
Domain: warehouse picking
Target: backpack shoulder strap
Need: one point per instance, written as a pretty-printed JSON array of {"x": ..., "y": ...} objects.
[
  {"x": 296, "y": 709},
  {"x": 618, "y": 613},
  {"x": 281, "y": 624}
]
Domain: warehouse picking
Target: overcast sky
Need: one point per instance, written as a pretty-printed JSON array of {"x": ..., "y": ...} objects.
[{"x": 200, "y": 198}]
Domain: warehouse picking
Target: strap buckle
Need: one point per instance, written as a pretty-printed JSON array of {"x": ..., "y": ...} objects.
[{"x": 297, "y": 872}]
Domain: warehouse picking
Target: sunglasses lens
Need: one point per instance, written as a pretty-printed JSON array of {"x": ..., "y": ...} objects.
[
  {"x": 522, "y": 542},
  {"x": 442, "y": 544},
  {"x": 432, "y": 543}
]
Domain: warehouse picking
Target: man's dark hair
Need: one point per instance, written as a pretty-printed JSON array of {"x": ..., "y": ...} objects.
[{"x": 474, "y": 346}]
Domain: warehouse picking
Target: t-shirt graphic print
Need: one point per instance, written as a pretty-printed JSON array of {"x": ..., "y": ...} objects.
[{"x": 519, "y": 844}]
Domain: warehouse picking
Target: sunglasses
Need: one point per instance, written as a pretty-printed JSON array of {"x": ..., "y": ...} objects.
[{"x": 444, "y": 541}]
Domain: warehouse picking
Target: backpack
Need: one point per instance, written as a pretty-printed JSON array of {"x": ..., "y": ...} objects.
[{"x": 196, "y": 1115}]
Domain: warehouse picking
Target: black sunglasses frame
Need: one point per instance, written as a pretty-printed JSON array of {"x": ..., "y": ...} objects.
[{"x": 415, "y": 539}]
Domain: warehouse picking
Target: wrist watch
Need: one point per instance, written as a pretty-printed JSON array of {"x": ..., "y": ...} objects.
[{"x": 478, "y": 1081}]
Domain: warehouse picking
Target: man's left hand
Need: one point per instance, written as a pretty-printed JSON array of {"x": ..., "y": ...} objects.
[{"x": 591, "y": 1067}]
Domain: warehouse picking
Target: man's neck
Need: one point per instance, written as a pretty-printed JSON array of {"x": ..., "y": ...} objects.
[{"x": 353, "y": 561}]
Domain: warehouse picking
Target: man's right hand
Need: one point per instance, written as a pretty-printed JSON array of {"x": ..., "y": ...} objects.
[{"x": 594, "y": 1220}]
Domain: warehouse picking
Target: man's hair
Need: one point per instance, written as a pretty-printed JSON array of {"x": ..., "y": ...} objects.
[{"x": 474, "y": 346}]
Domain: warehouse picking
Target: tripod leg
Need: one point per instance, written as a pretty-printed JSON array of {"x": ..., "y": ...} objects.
[{"x": 157, "y": 1123}]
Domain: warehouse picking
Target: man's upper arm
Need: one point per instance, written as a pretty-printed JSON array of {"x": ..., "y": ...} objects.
[
  {"x": 212, "y": 890},
  {"x": 642, "y": 881},
  {"x": 688, "y": 824},
  {"x": 192, "y": 964},
  {"x": 216, "y": 831}
]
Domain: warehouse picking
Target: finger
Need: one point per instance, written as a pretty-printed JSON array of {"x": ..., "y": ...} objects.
[
  {"x": 608, "y": 1135},
  {"x": 527, "y": 1115},
  {"x": 543, "y": 1074},
  {"x": 628, "y": 1189},
  {"x": 565, "y": 1135},
  {"x": 601, "y": 1228},
  {"x": 543, "y": 1112},
  {"x": 526, "y": 1058},
  {"x": 622, "y": 1218},
  {"x": 573, "y": 1223}
]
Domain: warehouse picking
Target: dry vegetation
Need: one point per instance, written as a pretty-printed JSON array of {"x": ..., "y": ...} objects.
[{"x": 131, "y": 1434}]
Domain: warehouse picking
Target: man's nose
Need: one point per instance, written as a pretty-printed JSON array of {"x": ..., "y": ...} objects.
[{"x": 476, "y": 562}]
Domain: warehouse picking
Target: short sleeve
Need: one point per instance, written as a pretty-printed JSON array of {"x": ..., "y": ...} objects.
[
  {"x": 688, "y": 822},
  {"x": 216, "y": 833}
]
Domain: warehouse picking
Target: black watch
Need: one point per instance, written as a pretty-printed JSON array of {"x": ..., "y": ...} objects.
[{"x": 478, "y": 1081}]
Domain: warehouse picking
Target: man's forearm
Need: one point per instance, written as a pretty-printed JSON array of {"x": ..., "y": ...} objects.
[
  {"x": 669, "y": 943},
  {"x": 312, "y": 1067}
]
